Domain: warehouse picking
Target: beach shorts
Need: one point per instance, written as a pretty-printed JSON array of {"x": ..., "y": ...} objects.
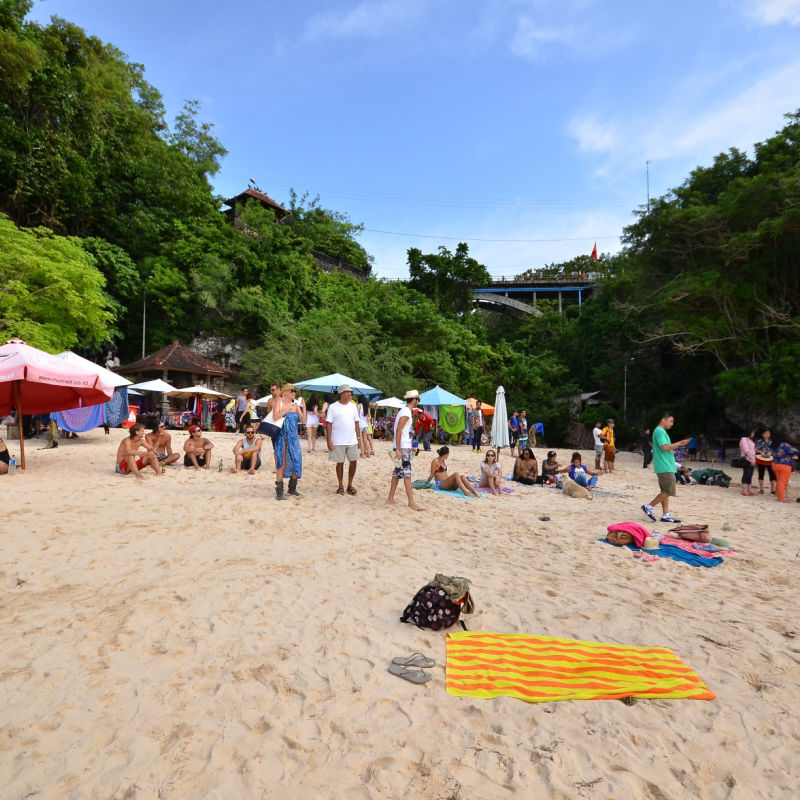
[
  {"x": 666, "y": 483},
  {"x": 187, "y": 462},
  {"x": 404, "y": 470},
  {"x": 598, "y": 451},
  {"x": 343, "y": 452},
  {"x": 122, "y": 467},
  {"x": 246, "y": 461},
  {"x": 610, "y": 452}
]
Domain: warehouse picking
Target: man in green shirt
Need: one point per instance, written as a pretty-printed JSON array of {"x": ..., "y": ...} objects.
[{"x": 665, "y": 468}]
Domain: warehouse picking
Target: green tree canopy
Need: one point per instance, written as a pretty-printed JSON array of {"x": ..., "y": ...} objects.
[{"x": 51, "y": 292}]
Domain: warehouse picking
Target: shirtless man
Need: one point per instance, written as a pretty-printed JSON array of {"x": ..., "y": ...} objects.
[
  {"x": 275, "y": 391},
  {"x": 127, "y": 461},
  {"x": 248, "y": 451},
  {"x": 161, "y": 442},
  {"x": 197, "y": 450}
]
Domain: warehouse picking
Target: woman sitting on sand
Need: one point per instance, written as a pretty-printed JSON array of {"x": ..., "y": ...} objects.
[
  {"x": 5, "y": 458},
  {"x": 551, "y": 468},
  {"x": 451, "y": 482},
  {"x": 579, "y": 473},
  {"x": 526, "y": 468},
  {"x": 490, "y": 472}
]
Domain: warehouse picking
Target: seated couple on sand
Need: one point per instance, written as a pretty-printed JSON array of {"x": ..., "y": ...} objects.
[{"x": 129, "y": 460}]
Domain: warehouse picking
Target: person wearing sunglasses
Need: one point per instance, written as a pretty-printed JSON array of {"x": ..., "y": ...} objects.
[
  {"x": 288, "y": 453},
  {"x": 161, "y": 441},
  {"x": 490, "y": 472},
  {"x": 247, "y": 451},
  {"x": 197, "y": 449}
]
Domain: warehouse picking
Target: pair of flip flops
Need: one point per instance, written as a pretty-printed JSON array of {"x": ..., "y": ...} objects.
[{"x": 412, "y": 668}]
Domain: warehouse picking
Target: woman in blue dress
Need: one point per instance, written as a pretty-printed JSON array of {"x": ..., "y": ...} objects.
[{"x": 288, "y": 454}]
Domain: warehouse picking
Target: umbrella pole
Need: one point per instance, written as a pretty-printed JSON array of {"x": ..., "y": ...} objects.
[{"x": 21, "y": 427}]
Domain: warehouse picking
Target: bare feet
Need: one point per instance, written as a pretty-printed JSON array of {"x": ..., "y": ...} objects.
[
  {"x": 415, "y": 507},
  {"x": 391, "y": 502}
]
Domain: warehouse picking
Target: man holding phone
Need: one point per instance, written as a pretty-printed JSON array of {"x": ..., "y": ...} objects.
[{"x": 665, "y": 468}]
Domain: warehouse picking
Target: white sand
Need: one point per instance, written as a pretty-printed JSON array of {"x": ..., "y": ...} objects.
[{"x": 190, "y": 637}]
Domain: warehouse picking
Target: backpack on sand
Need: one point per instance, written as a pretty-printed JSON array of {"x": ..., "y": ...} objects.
[{"x": 433, "y": 605}]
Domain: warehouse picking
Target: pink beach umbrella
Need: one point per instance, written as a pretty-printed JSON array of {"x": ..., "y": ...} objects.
[{"x": 38, "y": 382}]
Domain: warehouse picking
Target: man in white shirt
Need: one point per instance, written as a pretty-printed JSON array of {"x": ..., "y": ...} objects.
[
  {"x": 342, "y": 435},
  {"x": 597, "y": 435},
  {"x": 403, "y": 426}
]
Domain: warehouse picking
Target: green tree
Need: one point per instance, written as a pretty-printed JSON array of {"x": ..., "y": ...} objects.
[
  {"x": 447, "y": 278},
  {"x": 51, "y": 292}
]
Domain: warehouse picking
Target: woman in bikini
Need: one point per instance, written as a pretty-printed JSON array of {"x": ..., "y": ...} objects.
[
  {"x": 490, "y": 472},
  {"x": 455, "y": 480}
]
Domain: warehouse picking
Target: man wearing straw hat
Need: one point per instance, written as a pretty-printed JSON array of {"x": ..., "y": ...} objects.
[{"x": 402, "y": 444}]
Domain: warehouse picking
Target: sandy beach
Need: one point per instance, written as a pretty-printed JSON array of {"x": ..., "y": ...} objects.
[{"x": 190, "y": 637}]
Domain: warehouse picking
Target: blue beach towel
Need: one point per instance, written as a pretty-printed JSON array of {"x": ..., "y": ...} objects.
[{"x": 676, "y": 554}]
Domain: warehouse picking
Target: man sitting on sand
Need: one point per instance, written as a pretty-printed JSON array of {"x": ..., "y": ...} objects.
[
  {"x": 161, "y": 442},
  {"x": 127, "y": 461},
  {"x": 197, "y": 450},
  {"x": 248, "y": 451}
]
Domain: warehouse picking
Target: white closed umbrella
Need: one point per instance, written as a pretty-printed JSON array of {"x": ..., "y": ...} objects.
[{"x": 499, "y": 437}]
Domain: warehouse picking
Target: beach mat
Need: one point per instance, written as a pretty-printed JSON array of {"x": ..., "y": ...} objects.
[
  {"x": 539, "y": 669},
  {"x": 677, "y": 554}
]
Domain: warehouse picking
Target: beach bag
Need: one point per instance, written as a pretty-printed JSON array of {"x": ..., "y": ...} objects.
[
  {"x": 692, "y": 533},
  {"x": 431, "y": 607},
  {"x": 439, "y": 603},
  {"x": 269, "y": 427}
]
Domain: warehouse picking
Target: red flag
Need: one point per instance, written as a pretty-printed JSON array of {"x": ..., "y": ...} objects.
[{"x": 594, "y": 252}]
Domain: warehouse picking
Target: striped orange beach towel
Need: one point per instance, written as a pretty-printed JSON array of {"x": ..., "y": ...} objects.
[{"x": 538, "y": 669}]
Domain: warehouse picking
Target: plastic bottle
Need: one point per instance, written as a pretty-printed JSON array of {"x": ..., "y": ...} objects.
[
  {"x": 219, "y": 469},
  {"x": 12, "y": 465}
]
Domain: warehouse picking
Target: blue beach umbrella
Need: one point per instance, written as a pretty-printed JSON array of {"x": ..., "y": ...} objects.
[{"x": 440, "y": 397}]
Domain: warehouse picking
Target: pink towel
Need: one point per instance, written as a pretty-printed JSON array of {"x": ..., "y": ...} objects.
[
  {"x": 689, "y": 547},
  {"x": 638, "y": 532}
]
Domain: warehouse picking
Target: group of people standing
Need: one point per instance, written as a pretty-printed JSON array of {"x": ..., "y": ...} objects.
[{"x": 771, "y": 457}]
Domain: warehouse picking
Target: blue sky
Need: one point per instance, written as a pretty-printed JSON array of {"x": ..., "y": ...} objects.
[{"x": 522, "y": 127}]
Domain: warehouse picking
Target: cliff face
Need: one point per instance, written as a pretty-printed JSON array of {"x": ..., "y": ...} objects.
[
  {"x": 784, "y": 422},
  {"x": 225, "y": 352}
]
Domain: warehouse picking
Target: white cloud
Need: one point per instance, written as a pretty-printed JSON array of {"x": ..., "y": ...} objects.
[
  {"x": 532, "y": 40},
  {"x": 773, "y": 12},
  {"x": 368, "y": 19},
  {"x": 689, "y": 128}
]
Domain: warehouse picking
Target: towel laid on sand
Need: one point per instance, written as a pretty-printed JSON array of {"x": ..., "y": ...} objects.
[
  {"x": 538, "y": 669},
  {"x": 423, "y": 484},
  {"x": 694, "y": 547},
  {"x": 677, "y": 554}
]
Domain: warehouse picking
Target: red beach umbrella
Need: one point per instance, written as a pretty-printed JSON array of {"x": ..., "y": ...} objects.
[{"x": 39, "y": 383}]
